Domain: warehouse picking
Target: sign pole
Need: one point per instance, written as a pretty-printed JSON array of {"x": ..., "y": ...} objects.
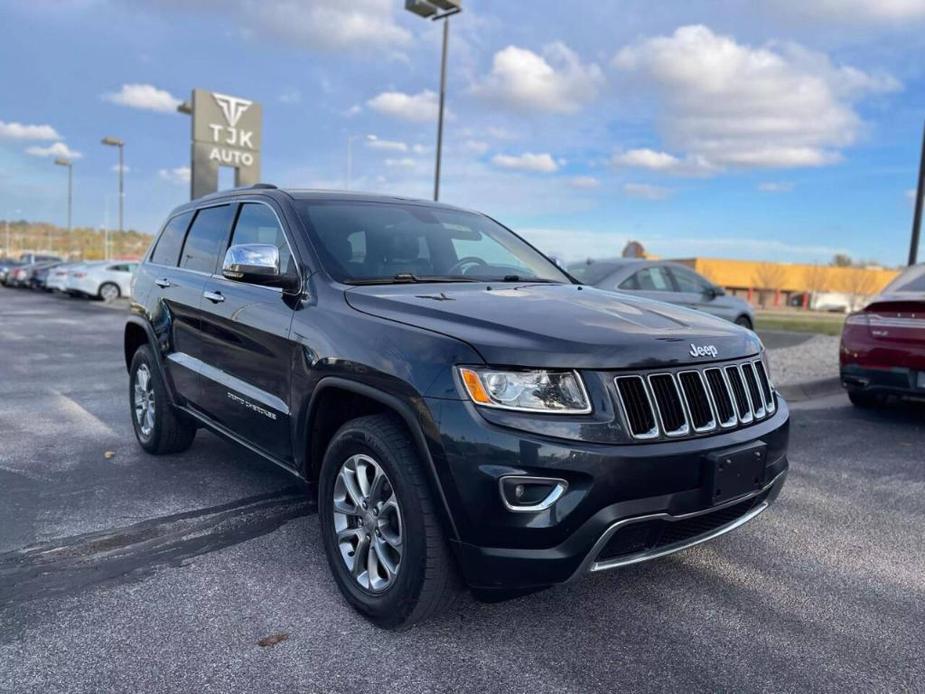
[{"x": 917, "y": 216}]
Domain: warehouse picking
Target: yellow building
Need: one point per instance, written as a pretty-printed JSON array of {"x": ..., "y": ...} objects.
[{"x": 780, "y": 284}]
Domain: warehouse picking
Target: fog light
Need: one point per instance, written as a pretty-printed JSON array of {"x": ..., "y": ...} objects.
[{"x": 530, "y": 494}]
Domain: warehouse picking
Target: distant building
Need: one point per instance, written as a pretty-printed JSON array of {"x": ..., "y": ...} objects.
[{"x": 822, "y": 287}]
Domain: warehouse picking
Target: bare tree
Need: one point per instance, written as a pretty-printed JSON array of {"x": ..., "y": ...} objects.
[
  {"x": 815, "y": 279},
  {"x": 769, "y": 277},
  {"x": 858, "y": 284}
]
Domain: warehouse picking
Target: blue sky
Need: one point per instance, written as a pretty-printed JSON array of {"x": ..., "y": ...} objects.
[{"x": 783, "y": 129}]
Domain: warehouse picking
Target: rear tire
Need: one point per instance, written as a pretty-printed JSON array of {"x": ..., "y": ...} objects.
[
  {"x": 158, "y": 426},
  {"x": 865, "y": 401},
  {"x": 109, "y": 292},
  {"x": 424, "y": 580}
]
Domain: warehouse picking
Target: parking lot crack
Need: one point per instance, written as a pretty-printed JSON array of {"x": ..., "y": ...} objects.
[{"x": 69, "y": 565}]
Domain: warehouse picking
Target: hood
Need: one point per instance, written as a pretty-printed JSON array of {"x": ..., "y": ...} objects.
[{"x": 564, "y": 326}]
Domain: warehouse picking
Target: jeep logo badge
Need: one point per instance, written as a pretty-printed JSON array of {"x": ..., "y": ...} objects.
[{"x": 703, "y": 351}]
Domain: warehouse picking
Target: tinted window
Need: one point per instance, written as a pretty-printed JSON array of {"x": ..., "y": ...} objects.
[
  {"x": 689, "y": 281},
  {"x": 376, "y": 241},
  {"x": 257, "y": 223},
  {"x": 206, "y": 239},
  {"x": 653, "y": 279},
  {"x": 167, "y": 250}
]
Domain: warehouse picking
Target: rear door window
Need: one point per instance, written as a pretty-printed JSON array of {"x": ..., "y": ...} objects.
[
  {"x": 206, "y": 239},
  {"x": 167, "y": 250},
  {"x": 653, "y": 279}
]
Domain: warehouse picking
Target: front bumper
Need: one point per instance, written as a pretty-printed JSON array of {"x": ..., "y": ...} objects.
[{"x": 648, "y": 488}]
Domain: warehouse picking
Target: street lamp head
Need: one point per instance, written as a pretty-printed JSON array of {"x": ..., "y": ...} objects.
[
  {"x": 112, "y": 141},
  {"x": 428, "y": 8},
  {"x": 61, "y": 161}
]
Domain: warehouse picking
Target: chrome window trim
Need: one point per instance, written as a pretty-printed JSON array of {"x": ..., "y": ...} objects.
[
  {"x": 590, "y": 565},
  {"x": 654, "y": 432},
  {"x": 715, "y": 417},
  {"x": 245, "y": 201},
  {"x": 683, "y": 430},
  {"x": 561, "y": 486}
]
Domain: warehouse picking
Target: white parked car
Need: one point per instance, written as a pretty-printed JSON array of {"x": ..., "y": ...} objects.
[
  {"x": 106, "y": 280},
  {"x": 57, "y": 277}
]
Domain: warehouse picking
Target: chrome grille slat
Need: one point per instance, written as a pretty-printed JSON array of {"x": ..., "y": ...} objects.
[{"x": 694, "y": 401}]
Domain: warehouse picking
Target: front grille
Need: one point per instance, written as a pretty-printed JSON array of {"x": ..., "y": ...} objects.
[
  {"x": 668, "y": 404},
  {"x": 695, "y": 401},
  {"x": 658, "y": 533}
]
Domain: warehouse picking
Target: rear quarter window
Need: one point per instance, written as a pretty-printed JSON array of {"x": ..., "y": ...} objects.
[{"x": 167, "y": 248}]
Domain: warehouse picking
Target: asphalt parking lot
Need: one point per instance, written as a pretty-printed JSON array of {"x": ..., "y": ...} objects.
[{"x": 124, "y": 572}]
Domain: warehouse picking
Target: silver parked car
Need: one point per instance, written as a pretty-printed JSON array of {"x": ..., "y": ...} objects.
[{"x": 664, "y": 281}]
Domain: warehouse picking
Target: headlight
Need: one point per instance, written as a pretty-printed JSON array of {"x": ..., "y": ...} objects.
[{"x": 560, "y": 392}]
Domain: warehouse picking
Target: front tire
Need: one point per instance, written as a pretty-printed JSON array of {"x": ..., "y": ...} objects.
[
  {"x": 383, "y": 539},
  {"x": 158, "y": 426},
  {"x": 744, "y": 321}
]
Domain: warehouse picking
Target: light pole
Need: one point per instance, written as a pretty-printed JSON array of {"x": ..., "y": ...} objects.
[
  {"x": 437, "y": 9},
  {"x": 116, "y": 142},
  {"x": 350, "y": 139},
  {"x": 917, "y": 215},
  {"x": 61, "y": 161}
]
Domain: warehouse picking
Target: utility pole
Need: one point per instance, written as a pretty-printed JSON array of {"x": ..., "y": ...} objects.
[{"x": 917, "y": 215}]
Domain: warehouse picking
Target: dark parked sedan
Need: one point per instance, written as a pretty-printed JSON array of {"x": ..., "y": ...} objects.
[{"x": 664, "y": 281}]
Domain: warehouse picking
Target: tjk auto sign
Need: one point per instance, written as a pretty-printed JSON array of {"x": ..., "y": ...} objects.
[{"x": 226, "y": 132}]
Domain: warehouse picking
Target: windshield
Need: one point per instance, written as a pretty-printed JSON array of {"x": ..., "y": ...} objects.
[
  {"x": 912, "y": 280},
  {"x": 372, "y": 242}
]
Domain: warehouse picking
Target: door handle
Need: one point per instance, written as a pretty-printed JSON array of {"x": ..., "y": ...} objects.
[
  {"x": 214, "y": 297},
  {"x": 163, "y": 282}
]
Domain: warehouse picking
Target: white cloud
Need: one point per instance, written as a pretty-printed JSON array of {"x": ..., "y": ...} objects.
[
  {"x": 555, "y": 82},
  {"x": 290, "y": 96},
  {"x": 115, "y": 168},
  {"x": 646, "y": 191},
  {"x": 584, "y": 183},
  {"x": 417, "y": 108},
  {"x": 775, "y": 187},
  {"x": 475, "y": 146},
  {"x": 404, "y": 163},
  {"x": 855, "y": 11},
  {"x": 353, "y": 110},
  {"x": 726, "y": 104},
  {"x": 58, "y": 149},
  {"x": 389, "y": 145},
  {"x": 179, "y": 175},
  {"x": 146, "y": 97},
  {"x": 910, "y": 195},
  {"x": 23, "y": 131},
  {"x": 420, "y": 149},
  {"x": 541, "y": 163},
  {"x": 330, "y": 25},
  {"x": 664, "y": 162}
]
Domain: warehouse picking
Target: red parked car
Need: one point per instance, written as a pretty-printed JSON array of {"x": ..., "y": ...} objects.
[{"x": 883, "y": 347}]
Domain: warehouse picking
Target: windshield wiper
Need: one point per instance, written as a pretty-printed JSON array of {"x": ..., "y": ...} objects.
[
  {"x": 518, "y": 278},
  {"x": 411, "y": 278}
]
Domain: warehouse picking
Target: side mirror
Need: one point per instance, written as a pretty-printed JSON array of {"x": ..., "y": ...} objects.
[
  {"x": 255, "y": 263},
  {"x": 715, "y": 291}
]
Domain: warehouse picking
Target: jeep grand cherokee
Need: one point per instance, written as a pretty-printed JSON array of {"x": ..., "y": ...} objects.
[{"x": 462, "y": 407}]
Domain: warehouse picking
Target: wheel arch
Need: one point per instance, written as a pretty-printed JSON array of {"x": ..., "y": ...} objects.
[{"x": 352, "y": 399}]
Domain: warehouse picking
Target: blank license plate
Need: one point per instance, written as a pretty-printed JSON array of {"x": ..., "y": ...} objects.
[{"x": 736, "y": 471}]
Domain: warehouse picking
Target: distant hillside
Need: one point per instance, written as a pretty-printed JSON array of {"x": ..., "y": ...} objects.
[{"x": 79, "y": 244}]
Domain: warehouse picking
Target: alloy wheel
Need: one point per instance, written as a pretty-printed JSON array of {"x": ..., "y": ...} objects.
[
  {"x": 109, "y": 292},
  {"x": 368, "y": 523},
  {"x": 143, "y": 400}
]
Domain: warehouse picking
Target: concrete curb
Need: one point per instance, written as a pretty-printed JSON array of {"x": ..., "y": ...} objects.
[{"x": 798, "y": 392}]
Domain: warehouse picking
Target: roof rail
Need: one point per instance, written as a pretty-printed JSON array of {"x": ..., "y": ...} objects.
[{"x": 262, "y": 186}]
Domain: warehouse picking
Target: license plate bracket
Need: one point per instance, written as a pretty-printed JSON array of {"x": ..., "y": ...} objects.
[{"x": 736, "y": 471}]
